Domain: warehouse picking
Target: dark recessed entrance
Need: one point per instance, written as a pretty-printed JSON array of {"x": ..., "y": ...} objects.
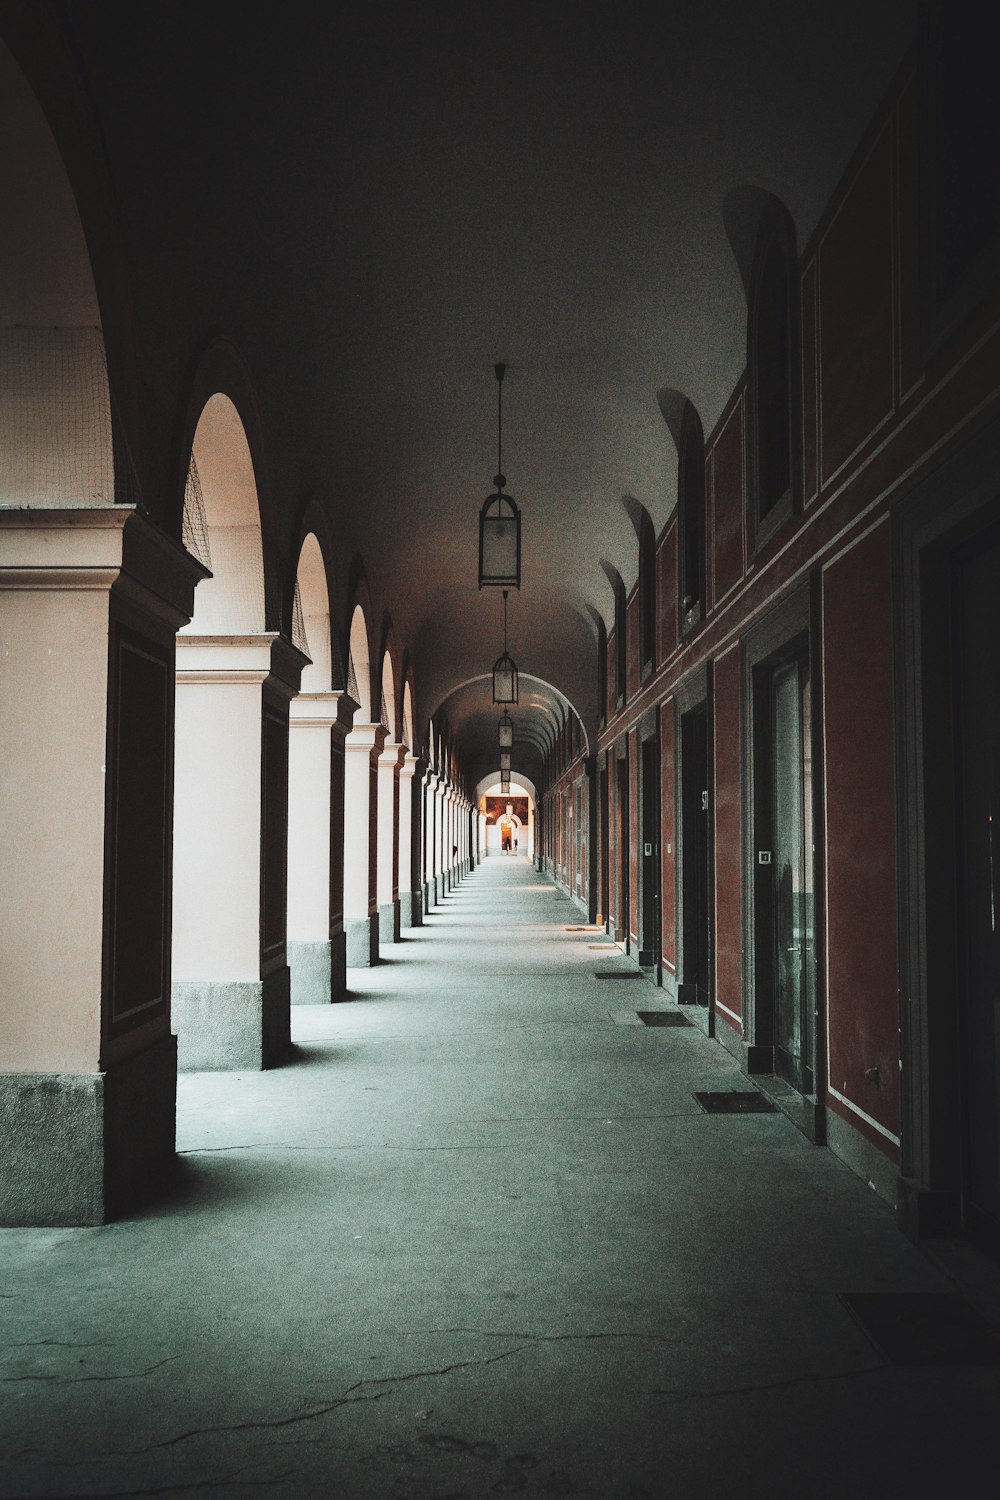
[{"x": 695, "y": 905}]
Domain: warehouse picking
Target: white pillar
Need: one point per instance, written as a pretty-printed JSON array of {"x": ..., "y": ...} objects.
[
  {"x": 90, "y": 601},
  {"x": 411, "y": 897},
  {"x": 387, "y": 880},
  {"x": 361, "y": 752},
  {"x": 231, "y": 983},
  {"x": 318, "y": 725}
]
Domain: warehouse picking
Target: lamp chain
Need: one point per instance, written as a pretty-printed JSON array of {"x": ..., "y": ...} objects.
[{"x": 500, "y": 371}]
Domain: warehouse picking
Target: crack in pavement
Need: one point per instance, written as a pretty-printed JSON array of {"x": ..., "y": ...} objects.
[
  {"x": 543, "y": 1338},
  {"x": 223, "y": 1482},
  {"x": 312, "y": 1415},
  {"x": 57, "y": 1343},
  {"x": 809, "y": 1378},
  {"x": 87, "y": 1379},
  {"x": 600, "y": 1119}
]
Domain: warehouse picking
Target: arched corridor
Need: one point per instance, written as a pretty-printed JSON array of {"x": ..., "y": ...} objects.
[
  {"x": 390, "y": 853},
  {"x": 479, "y": 1238}
]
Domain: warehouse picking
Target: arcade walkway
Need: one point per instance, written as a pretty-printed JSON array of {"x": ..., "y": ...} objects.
[{"x": 479, "y": 1239}]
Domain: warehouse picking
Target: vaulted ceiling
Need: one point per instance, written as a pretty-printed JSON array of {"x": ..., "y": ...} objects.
[{"x": 377, "y": 204}]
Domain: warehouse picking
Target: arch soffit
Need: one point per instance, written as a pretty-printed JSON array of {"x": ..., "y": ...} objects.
[
  {"x": 221, "y": 371},
  {"x": 314, "y": 522},
  {"x": 493, "y": 779},
  {"x": 38, "y": 47},
  {"x": 407, "y": 710},
  {"x": 359, "y": 597},
  {"x": 391, "y": 653}
]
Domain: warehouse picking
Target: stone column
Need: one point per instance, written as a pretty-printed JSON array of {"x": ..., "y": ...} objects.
[
  {"x": 436, "y": 889},
  {"x": 411, "y": 895},
  {"x": 362, "y": 749},
  {"x": 318, "y": 725},
  {"x": 231, "y": 990},
  {"x": 430, "y": 782},
  {"x": 91, "y": 600},
  {"x": 388, "y": 844},
  {"x": 448, "y": 825}
]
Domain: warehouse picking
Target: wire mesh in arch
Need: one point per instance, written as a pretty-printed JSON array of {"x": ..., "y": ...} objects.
[
  {"x": 352, "y": 680},
  {"x": 299, "y": 637},
  {"x": 194, "y": 530}
]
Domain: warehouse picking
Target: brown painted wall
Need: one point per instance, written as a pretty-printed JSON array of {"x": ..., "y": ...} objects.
[
  {"x": 877, "y": 412},
  {"x": 666, "y": 593},
  {"x": 727, "y": 920},
  {"x": 633, "y": 836},
  {"x": 860, "y": 833},
  {"x": 632, "y": 631},
  {"x": 726, "y": 500},
  {"x": 668, "y": 838}
]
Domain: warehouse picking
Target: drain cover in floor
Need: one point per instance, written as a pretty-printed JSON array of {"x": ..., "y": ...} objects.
[
  {"x": 662, "y": 1018},
  {"x": 735, "y": 1102},
  {"x": 924, "y": 1328},
  {"x": 618, "y": 974}
]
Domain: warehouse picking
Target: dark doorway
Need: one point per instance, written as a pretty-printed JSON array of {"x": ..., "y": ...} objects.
[
  {"x": 793, "y": 902},
  {"x": 622, "y": 850},
  {"x": 976, "y": 637},
  {"x": 782, "y": 848},
  {"x": 695, "y": 923},
  {"x": 649, "y": 855}
]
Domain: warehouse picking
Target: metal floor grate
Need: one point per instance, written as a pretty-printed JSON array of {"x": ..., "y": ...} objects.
[
  {"x": 924, "y": 1328},
  {"x": 662, "y": 1018},
  {"x": 735, "y": 1102}
]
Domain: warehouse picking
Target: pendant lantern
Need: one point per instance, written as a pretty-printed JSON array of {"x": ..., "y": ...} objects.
[{"x": 499, "y": 521}]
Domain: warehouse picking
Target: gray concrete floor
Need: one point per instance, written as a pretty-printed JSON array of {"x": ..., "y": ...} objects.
[{"x": 478, "y": 1239}]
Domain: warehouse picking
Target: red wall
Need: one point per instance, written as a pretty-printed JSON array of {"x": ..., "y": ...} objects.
[
  {"x": 727, "y": 923},
  {"x": 633, "y": 839},
  {"x": 666, "y": 593},
  {"x": 725, "y": 490},
  {"x": 860, "y": 832},
  {"x": 668, "y": 836}
]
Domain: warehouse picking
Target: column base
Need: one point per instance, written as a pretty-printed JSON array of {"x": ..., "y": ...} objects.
[
  {"x": 389, "y": 923},
  {"x": 310, "y": 963},
  {"x": 361, "y": 934},
  {"x": 411, "y": 909},
  {"x": 427, "y": 897},
  {"x": 83, "y": 1148},
  {"x": 232, "y": 1025}
]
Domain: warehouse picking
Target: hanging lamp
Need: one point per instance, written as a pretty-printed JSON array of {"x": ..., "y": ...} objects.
[
  {"x": 505, "y": 668},
  {"x": 504, "y": 760},
  {"x": 499, "y": 521},
  {"x": 506, "y": 731}
]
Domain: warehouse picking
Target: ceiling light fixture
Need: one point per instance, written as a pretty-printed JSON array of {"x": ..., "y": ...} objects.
[
  {"x": 505, "y": 668},
  {"x": 506, "y": 731},
  {"x": 499, "y": 521}
]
